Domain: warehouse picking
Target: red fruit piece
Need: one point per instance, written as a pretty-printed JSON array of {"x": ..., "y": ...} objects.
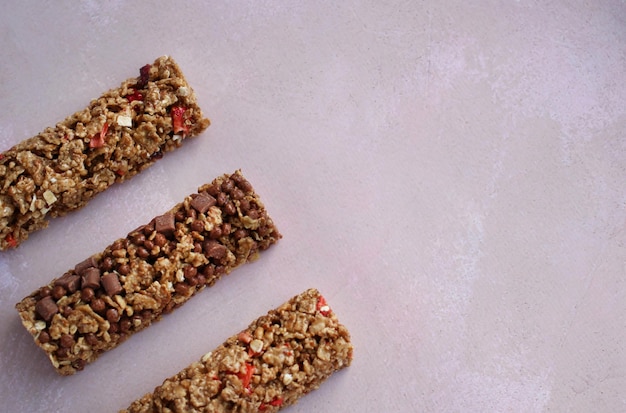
[
  {"x": 246, "y": 377},
  {"x": 245, "y": 337},
  {"x": 11, "y": 241},
  {"x": 144, "y": 76},
  {"x": 97, "y": 141},
  {"x": 277, "y": 401},
  {"x": 322, "y": 307},
  {"x": 178, "y": 120},
  {"x": 136, "y": 95}
]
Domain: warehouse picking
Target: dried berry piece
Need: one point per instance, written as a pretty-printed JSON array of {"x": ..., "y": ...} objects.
[
  {"x": 97, "y": 141},
  {"x": 11, "y": 241},
  {"x": 276, "y": 402},
  {"x": 144, "y": 76},
  {"x": 245, "y": 337},
  {"x": 246, "y": 376},
  {"x": 178, "y": 120},
  {"x": 322, "y": 307},
  {"x": 136, "y": 95},
  {"x": 157, "y": 155}
]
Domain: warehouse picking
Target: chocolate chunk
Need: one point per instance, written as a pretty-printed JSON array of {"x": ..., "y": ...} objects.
[
  {"x": 148, "y": 228},
  {"x": 87, "y": 294},
  {"x": 112, "y": 315},
  {"x": 165, "y": 224},
  {"x": 66, "y": 341},
  {"x": 160, "y": 240},
  {"x": 69, "y": 281},
  {"x": 142, "y": 253},
  {"x": 111, "y": 284},
  {"x": 237, "y": 194},
  {"x": 44, "y": 337},
  {"x": 88, "y": 263},
  {"x": 107, "y": 264},
  {"x": 123, "y": 269},
  {"x": 203, "y": 202},
  {"x": 197, "y": 226},
  {"x": 58, "y": 292},
  {"x": 214, "y": 249},
  {"x": 137, "y": 230},
  {"x": 98, "y": 305},
  {"x": 46, "y": 308},
  {"x": 91, "y": 278}
]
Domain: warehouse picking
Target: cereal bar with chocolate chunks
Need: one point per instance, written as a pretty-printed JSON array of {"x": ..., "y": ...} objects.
[
  {"x": 113, "y": 294},
  {"x": 279, "y": 358},
  {"x": 118, "y": 135}
]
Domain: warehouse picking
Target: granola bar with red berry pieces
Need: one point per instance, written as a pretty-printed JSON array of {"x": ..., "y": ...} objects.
[
  {"x": 279, "y": 358},
  {"x": 118, "y": 135},
  {"x": 110, "y": 296}
]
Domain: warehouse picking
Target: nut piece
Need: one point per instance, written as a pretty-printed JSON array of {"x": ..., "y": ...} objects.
[
  {"x": 125, "y": 121},
  {"x": 256, "y": 346},
  {"x": 49, "y": 196}
]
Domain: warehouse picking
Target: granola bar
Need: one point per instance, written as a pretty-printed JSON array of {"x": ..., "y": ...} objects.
[
  {"x": 113, "y": 294},
  {"x": 279, "y": 358},
  {"x": 118, "y": 135}
]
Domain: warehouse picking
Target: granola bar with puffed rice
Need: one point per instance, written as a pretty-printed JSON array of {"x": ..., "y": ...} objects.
[
  {"x": 118, "y": 135},
  {"x": 279, "y": 358},
  {"x": 157, "y": 267}
]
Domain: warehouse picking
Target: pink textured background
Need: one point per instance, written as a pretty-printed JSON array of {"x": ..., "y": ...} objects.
[{"x": 450, "y": 176}]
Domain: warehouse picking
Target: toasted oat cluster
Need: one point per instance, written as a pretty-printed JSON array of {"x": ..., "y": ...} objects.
[
  {"x": 109, "y": 296},
  {"x": 118, "y": 135},
  {"x": 279, "y": 358}
]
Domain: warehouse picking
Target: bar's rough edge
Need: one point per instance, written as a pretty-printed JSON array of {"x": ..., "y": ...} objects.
[
  {"x": 278, "y": 359},
  {"x": 115, "y": 137},
  {"x": 233, "y": 232}
]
